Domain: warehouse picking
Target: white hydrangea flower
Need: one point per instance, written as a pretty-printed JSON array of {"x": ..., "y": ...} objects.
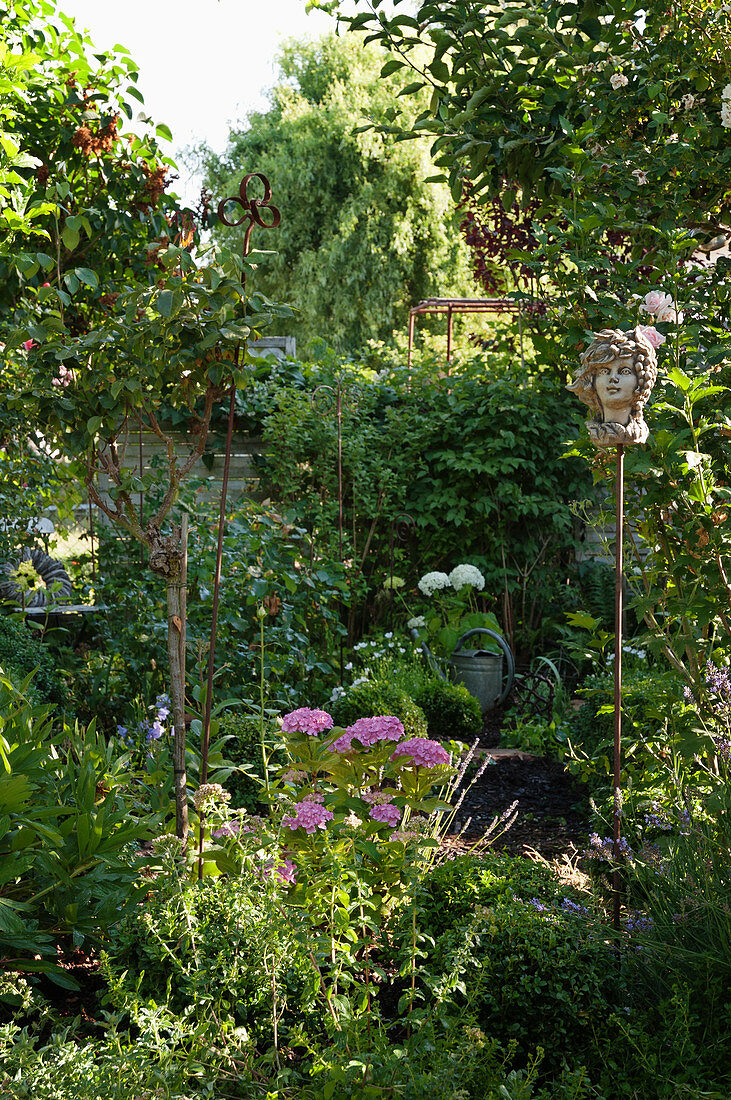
[
  {"x": 466, "y": 574},
  {"x": 726, "y": 93},
  {"x": 416, "y": 623},
  {"x": 433, "y": 582},
  {"x": 687, "y": 102},
  {"x": 618, "y": 80},
  {"x": 726, "y": 113}
]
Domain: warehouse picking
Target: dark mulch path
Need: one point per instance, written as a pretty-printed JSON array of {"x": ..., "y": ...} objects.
[{"x": 553, "y": 809}]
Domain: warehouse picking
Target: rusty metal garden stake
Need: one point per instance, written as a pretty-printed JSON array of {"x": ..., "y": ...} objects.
[
  {"x": 142, "y": 503},
  {"x": 615, "y": 380},
  {"x": 328, "y": 398},
  {"x": 402, "y": 525},
  {"x": 618, "y": 613},
  {"x": 252, "y": 214},
  {"x": 91, "y": 544}
]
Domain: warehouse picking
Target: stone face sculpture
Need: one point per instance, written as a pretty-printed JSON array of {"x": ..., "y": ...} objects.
[{"x": 617, "y": 373}]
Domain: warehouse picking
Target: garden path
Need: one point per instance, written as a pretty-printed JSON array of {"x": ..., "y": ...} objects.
[{"x": 553, "y": 808}]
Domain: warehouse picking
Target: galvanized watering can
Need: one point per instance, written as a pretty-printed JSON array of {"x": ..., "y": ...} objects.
[{"x": 481, "y": 672}]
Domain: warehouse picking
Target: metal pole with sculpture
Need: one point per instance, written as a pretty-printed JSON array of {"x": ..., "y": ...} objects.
[{"x": 617, "y": 373}]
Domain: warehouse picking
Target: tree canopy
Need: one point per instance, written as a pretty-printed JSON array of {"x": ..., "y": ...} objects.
[{"x": 362, "y": 234}]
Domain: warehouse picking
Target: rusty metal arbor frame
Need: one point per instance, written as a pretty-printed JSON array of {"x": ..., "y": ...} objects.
[
  {"x": 450, "y": 306},
  {"x": 256, "y": 212}
]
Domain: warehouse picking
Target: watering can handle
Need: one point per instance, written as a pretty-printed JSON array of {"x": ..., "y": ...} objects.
[{"x": 506, "y": 650}]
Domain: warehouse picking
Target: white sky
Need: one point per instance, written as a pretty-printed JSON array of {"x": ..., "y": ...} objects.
[{"x": 202, "y": 65}]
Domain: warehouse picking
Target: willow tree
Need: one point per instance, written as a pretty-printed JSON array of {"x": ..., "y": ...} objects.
[{"x": 363, "y": 234}]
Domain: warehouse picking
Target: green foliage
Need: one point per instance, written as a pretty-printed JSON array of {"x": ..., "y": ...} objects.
[
  {"x": 450, "y": 893},
  {"x": 512, "y": 957},
  {"x": 452, "y": 714},
  {"x": 22, "y": 652},
  {"x": 93, "y": 196},
  {"x": 218, "y": 949},
  {"x": 380, "y": 697},
  {"x": 362, "y": 236},
  {"x": 477, "y": 463},
  {"x": 648, "y": 697},
  {"x": 66, "y": 861},
  {"x": 682, "y": 588},
  {"x": 547, "y": 68},
  {"x": 597, "y": 590},
  {"x": 681, "y": 836},
  {"x": 615, "y": 133},
  {"x": 268, "y": 561},
  {"x": 245, "y": 748}
]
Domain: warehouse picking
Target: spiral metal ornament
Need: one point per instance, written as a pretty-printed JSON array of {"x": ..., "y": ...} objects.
[
  {"x": 253, "y": 209},
  {"x": 402, "y": 527},
  {"x": 51, "y": 572},
  {"x": 333, "y": 399}
]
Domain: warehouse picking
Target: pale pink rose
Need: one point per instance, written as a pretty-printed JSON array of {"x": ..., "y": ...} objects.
[
  {"x": 652, "y": 335},
  {"x": 669, "y": 313},
  {"x": 656, "y": 300}
]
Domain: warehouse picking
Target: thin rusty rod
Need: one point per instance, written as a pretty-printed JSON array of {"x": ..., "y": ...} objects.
[
  {"x": 91, "y": 541},
  {"x": 206, "y": 740},
  {"x": 391, "y": 559},
  {"x": 412, "y": 321},
  {"x": 339, "y": 413},
  {"x": 217, "y": 590},
  {"x": 142, "y": 503},
  {"x": 618, "y": 613},
  {"x": 253, "y": 215}
]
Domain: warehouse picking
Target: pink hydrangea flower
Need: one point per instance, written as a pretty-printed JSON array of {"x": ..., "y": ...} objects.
[
  {"x": 231, "y": 828},
  {"x": 342, "y": 744},
  {"x": 307, "y": 721},
  {"x": 423, "y": 752},
  {"x": 285, "y": 870},
  {"x": 384, "y": 727},
  {"x": 376, "y": 798},
  {"x": 387, "y": 814},
  {"x": 652, "y": 335},
  {"x": 308, "y": 816}
]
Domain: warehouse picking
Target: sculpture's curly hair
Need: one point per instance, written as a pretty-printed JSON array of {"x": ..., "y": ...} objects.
[{"x": 614, "y": 343}]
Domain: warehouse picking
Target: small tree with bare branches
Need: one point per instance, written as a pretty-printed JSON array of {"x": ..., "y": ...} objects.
[{"x": 179, "y": 345}]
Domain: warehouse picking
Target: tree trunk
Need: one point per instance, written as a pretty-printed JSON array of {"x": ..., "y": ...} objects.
[{"x": 176, "y": 581}]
